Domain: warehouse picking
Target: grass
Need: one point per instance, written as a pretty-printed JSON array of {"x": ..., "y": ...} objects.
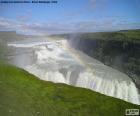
[
  {"x": 126, "y": 35},
  {"x": 22, "y": 94},
  {"x": 130, "y": 35}
]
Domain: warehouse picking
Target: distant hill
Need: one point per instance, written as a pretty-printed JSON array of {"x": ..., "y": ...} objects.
[
  {"x": 131, "y": 35},
  {"x": 9, "y": 36},
  {"x": 131, "y": 30},
  {"x": 122, "y": 35}
]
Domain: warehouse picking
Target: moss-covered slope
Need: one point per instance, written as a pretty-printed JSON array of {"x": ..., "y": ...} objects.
[{"x": 22, "y": 94}]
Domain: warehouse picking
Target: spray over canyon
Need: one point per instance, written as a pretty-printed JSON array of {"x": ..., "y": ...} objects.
[{"x": 56, "y": 61}]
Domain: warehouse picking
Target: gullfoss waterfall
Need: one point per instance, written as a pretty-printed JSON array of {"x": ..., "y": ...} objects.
[{"x": 56, "y": 61}]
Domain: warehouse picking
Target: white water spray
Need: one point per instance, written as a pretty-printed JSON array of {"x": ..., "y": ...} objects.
[{"x": 57, "y": 62}]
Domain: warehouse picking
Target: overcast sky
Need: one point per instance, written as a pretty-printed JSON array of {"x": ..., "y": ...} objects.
[{"x": 70, "y": 16}]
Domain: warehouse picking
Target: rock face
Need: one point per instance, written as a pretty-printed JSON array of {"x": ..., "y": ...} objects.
[
  {"x": 121, "y": 55},
  {"x": 55, "y": 61}
]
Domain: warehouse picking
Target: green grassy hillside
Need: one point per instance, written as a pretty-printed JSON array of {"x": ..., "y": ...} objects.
[
  {"x": 130, "y": 35},
  {"x": 22, "y": 94},
  {"x": 124, "y": 35}
]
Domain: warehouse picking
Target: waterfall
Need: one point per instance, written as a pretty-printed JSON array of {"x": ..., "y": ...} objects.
[{"x": 57, "y": 62}]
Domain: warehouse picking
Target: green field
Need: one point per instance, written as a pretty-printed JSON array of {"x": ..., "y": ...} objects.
[
  {"x": 22, "y": 94},
  {"x": 124, "y": 35},
  {"x": 130, "y": 35}
]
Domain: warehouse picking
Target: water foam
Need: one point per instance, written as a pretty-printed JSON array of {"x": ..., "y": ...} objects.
[{"x": 56, "y": 62}]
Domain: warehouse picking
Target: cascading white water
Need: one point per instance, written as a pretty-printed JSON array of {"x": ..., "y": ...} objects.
[{"x": 57, "y": 62}]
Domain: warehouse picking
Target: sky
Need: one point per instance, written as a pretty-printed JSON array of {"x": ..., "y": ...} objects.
[{"x": 68, "y": 16}]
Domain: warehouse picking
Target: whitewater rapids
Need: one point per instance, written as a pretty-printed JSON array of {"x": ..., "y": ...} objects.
[{"x": 56, "y": 61}]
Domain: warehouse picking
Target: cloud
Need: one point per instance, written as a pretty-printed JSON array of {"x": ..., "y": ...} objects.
[
  {"x": 89, "y": 6},
  {"x": 93, "y": 4},
  {"x": 25, "y": 17},
  {"x": 106, "y": 24},
  {"x": 35, "y": 28}
]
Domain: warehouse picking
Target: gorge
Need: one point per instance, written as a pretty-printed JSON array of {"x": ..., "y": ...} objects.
[{"x": 56, "y": 61}]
